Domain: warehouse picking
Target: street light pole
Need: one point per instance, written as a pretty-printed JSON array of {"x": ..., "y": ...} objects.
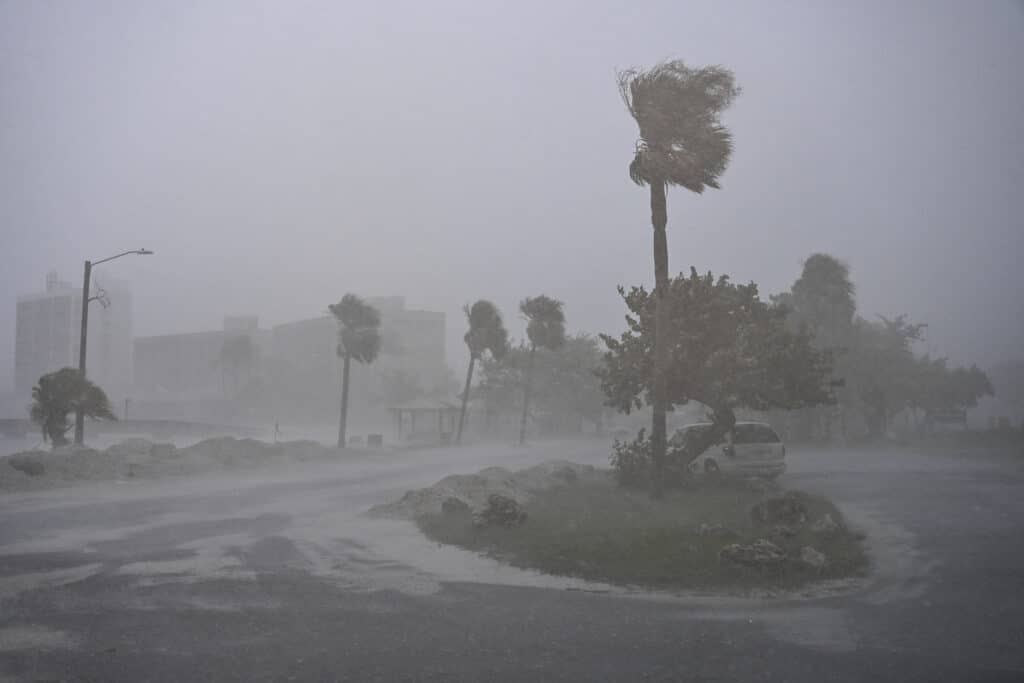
[{"x": 79, "y": 415}]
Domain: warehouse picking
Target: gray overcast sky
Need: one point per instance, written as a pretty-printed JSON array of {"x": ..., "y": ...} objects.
[{"x": 277, "y": 155}]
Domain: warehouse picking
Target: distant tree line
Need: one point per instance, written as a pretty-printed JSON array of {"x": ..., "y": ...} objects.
[{"x": 882, "y": 375}]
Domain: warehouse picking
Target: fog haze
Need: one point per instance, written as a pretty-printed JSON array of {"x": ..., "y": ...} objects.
[{"x": 278, "y": 155}]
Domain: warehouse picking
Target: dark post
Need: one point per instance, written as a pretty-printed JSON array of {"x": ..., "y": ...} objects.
[
  {"x": 79, "y": 417},
  {"x": 465, "y": 398},
  {"x": 526, "y": 395},
  {"x": 342, "y": 427}
]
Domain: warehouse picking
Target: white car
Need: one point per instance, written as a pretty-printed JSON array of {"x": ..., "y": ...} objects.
[{"x": 751, "y": 449}]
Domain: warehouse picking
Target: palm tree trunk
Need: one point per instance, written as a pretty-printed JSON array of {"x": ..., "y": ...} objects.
[
  {"x": 465, "y": 398},
  {"x": 342, "y": 426},
  {"x": 659, "y": 219},
  {"x": 526, "y": 396}
]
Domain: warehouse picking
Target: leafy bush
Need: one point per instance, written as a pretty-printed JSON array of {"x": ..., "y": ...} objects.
[
  {"x": 631, "y": 460},
  {"x": 632, "y": 465},
  {"x": 502, "y": 511},
  {"x": 787, "y": 509},
  {"x": 27, "y": 465},
  {"x": 454, "y": 507}
]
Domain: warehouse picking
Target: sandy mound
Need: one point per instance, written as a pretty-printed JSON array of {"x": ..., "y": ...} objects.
[
  {"x": 474, "y": 489},
  {"x": 144, "y": 459}
]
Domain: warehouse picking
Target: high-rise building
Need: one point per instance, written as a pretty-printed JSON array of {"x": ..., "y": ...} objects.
[{"x": 47, "y": 335}]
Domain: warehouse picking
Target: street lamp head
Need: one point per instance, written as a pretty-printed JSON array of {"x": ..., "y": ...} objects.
[{"x": 145, "y": 252}]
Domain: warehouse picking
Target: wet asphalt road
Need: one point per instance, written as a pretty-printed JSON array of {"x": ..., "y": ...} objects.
[{"x": 278, "y": 577}]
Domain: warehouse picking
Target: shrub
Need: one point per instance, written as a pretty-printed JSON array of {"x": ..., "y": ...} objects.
[
  {"x": 787, "y": 509},
  {"x": 502, "y": 511},
  {"x": 631, "y": 460},
  {"x": 632, "y": 465},
  {"x": 27, "y": 465},
  {"x": 454, "y": 507}
]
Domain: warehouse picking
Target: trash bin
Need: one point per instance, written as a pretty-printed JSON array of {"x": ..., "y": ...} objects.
[{"x": 375, "y": 440}]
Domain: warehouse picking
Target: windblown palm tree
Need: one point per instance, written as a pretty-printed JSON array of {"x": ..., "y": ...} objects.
[
  {"x": 825, "y": 299},
  {"x": 60, "y": 393},
  {"x": 682, "y": 142},
  {"x": 545, "y": 328},
  {"x": 486, "y": 333},
  {"x": 358, "y": 339}
]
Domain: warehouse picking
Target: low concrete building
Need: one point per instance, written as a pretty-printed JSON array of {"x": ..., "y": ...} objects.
[{"x": 293, "y": 373}]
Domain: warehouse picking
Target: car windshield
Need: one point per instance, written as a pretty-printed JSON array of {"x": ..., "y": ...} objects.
[
  {"x": 754, "y": 433},
  {"x": 696, "y": 432}
]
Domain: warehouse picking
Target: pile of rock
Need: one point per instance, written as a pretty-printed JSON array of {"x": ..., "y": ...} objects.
[
  {"x": 783, "y": 516},
  {"x": 476, "y": 490},
  {"x": 761, "y": 554}
]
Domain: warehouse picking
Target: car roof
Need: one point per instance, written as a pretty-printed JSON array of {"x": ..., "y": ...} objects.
[{"x": 738, "y": 424}]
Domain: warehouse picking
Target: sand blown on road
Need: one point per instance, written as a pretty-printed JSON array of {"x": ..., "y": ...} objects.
[{"x": 140, "y": 458}]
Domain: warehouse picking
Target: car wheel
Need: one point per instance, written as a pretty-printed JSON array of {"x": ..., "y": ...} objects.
[{"x": 711, "y": 467}]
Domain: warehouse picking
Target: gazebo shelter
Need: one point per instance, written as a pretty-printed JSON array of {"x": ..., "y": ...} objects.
[{"x": 426, "y": 419}]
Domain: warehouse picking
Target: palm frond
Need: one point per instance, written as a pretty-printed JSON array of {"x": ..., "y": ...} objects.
[
  {"x": 486, "y": 330},
  {"x": 359, "y": 328},
  {"x": 678, "y": 110},
  {"x": 59, "y": 393},
  {"x": 545, "y": 321}
]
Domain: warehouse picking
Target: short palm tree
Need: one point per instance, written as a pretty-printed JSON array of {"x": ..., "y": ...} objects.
[
  {"x": 358, "y": 339},
  {"x": 486, "y": 333},
  {"x": 682, "y": 142},
  {"x": 61, "y": 393},
  {"x": 545, "y": 328}
]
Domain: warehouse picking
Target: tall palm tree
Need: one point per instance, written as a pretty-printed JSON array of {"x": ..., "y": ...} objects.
[
  {"x": 682, "y": 142},
  {"x": 486, "y": 333},
  {"x": 358, "y": 339},
  {"x": 60, "y": 393},
  {"x": 545, "y": 328},
  {"x": 825, "y": 299}
]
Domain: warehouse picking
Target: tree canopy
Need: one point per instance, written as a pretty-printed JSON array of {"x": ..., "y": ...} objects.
[
  {"x": 486, "y": 330},
  {"x": 677, "y": 110},
  {"x": 566, "y": 387},
  {"x": 887, "y": 377},
  {"x": 882, "y": 374},
  {"x": 729, "y": 350},
  {"x": 545, "y": 327},
  {"x": 359, "y": 333},
  {"x": 937, "y": 388},
  {"x": 823, "y": 299}
]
